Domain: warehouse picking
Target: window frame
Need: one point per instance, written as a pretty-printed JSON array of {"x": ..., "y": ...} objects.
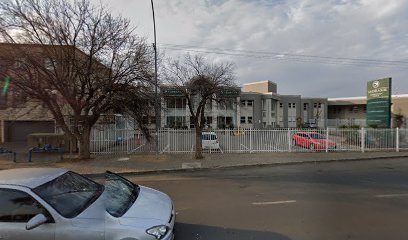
[{"x": 250, "y": 120}]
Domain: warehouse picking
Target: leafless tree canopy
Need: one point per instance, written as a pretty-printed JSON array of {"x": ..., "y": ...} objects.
[
  {"x": 199, "y": 82},
  {"x": 76, "y": 58}
]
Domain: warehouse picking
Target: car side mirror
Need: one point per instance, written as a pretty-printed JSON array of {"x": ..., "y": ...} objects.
[{"x": 36, "y": 221}]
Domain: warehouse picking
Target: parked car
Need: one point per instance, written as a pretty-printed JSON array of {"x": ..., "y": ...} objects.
[
  {"x": 312, "y": 140},
  {"x": 47, "y": 203},
  {"x": 310, "y": 125},
  {"x": 210, "y": 140}
]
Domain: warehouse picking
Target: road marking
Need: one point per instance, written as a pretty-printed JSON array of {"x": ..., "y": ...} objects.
[
  {"x": 272, "y": 203},
  {"x": 392, "y": 195}
]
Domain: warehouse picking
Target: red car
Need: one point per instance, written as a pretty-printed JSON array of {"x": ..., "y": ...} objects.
[{"x": 312, "y": 140}]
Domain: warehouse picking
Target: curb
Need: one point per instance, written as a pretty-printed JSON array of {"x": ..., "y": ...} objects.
[{"x": 202, "y": 169}]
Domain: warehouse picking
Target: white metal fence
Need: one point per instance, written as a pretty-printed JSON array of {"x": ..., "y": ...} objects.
[{"x": 110, "y": 138}]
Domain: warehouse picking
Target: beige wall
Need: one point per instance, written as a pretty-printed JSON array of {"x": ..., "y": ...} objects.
[
  {"x": 260, "y": 87},
  {"x": 31, "y": 111},
  {"x": 400, "y": 106},
  {"x": 354, "y": 108}
]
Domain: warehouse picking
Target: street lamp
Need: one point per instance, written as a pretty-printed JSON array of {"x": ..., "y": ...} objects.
[{"x": 156, "y": 100}]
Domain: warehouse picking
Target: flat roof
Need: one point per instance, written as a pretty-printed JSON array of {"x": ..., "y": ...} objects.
[
  {"x": 268, "y": 81},
  {"x": 364, "y": 97}
]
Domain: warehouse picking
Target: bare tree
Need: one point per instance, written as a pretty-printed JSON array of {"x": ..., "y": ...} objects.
[
  {"x": 77, "y": 59},
  {"x": 199, "y": 82}
]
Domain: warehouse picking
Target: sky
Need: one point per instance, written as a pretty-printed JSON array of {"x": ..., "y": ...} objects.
[{"x": 313, "y": 48}]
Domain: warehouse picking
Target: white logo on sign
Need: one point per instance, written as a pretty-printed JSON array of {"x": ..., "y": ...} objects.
[{"x": 376, "y": 84}]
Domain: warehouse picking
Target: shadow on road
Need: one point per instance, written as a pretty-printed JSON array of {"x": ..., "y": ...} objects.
[{"x": 201, "y": 232}]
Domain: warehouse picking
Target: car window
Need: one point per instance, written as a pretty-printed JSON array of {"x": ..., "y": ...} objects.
[
  {"x": 70, "y": 194},
  {"x": 209, "y": 137},
  {"x": 120, "y": 194},
  {"x": 18, "y": 206},
  {"x": 317, "y": 136}
]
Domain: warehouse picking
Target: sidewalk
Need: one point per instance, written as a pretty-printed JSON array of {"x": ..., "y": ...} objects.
[{"x": 150, "y": 163}]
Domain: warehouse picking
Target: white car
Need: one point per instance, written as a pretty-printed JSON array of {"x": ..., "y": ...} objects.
[
  {"x": 210, "y": 140},
  {"x": 47, "y": 203}
]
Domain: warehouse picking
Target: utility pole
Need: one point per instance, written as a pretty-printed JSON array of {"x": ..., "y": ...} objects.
[{"x": 156, "y": 98}]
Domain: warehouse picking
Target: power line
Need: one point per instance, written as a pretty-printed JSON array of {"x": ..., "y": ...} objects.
[{"x": 289, "y": 57}]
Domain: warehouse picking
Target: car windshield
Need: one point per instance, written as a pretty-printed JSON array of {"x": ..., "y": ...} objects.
[
  {"x": 69, "y": 194},
  {"x": 209, "y": 137},
  {"x": 120, "y": 194},
  {"x": 317, "y": 136}
]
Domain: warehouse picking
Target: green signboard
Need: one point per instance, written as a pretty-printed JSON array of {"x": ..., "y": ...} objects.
[
  {"x": 6, "y": 86},
  {"x": 379, "y": 103}
]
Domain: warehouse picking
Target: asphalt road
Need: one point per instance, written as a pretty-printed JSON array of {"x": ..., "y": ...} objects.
[{"x": 349, "y": 200}]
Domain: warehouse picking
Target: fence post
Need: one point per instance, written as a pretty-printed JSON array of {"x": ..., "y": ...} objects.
[
  {"x": 168, "y": 140},
  {"x": 127, "y": 137},
  {"x": 327, "y": 139},
  {"x": 362, "y": 139},
  {"x": 289, "y": 140},
  {"x": 397, "y": 139},
  {"x": 250, "y": 140}
]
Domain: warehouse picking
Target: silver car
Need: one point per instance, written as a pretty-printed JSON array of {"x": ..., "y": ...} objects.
[{"x": 45, "y": 203}]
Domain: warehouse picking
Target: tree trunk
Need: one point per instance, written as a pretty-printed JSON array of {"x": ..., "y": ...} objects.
[
  {"x": 199, "y": 145},
  {"x": 84, "y": 145}
]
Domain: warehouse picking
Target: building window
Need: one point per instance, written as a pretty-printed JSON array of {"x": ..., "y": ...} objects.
[
  {"x": 249, "y": 119},
  {"x": 250, "y": 102},
  {"x": 176, "y": 121},
  {"x": 289, "y": 105},
  {"x": 294, "y": 105},
  {"x": 280, "y": 105},
  {"x": 175, "y": 103},
  {"x": 320, "y": 105},
  {"x": 315, "y": 105},
  {"x": 243, "y": 120},
  {"x": 263, "y": 114},
  {"x": 243, "y": 103},
  {"x": 305, "y": 106}
]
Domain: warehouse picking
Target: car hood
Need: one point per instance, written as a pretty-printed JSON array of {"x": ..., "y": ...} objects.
[{"x": 150, "y": 204}]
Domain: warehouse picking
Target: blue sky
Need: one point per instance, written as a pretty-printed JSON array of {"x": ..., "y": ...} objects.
[{"x": 316, "y": 48}]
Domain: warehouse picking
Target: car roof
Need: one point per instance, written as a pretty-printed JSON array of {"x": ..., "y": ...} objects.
[
  {"x": 212, "y": 133},
  {"x": 29, "y": 177}
]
